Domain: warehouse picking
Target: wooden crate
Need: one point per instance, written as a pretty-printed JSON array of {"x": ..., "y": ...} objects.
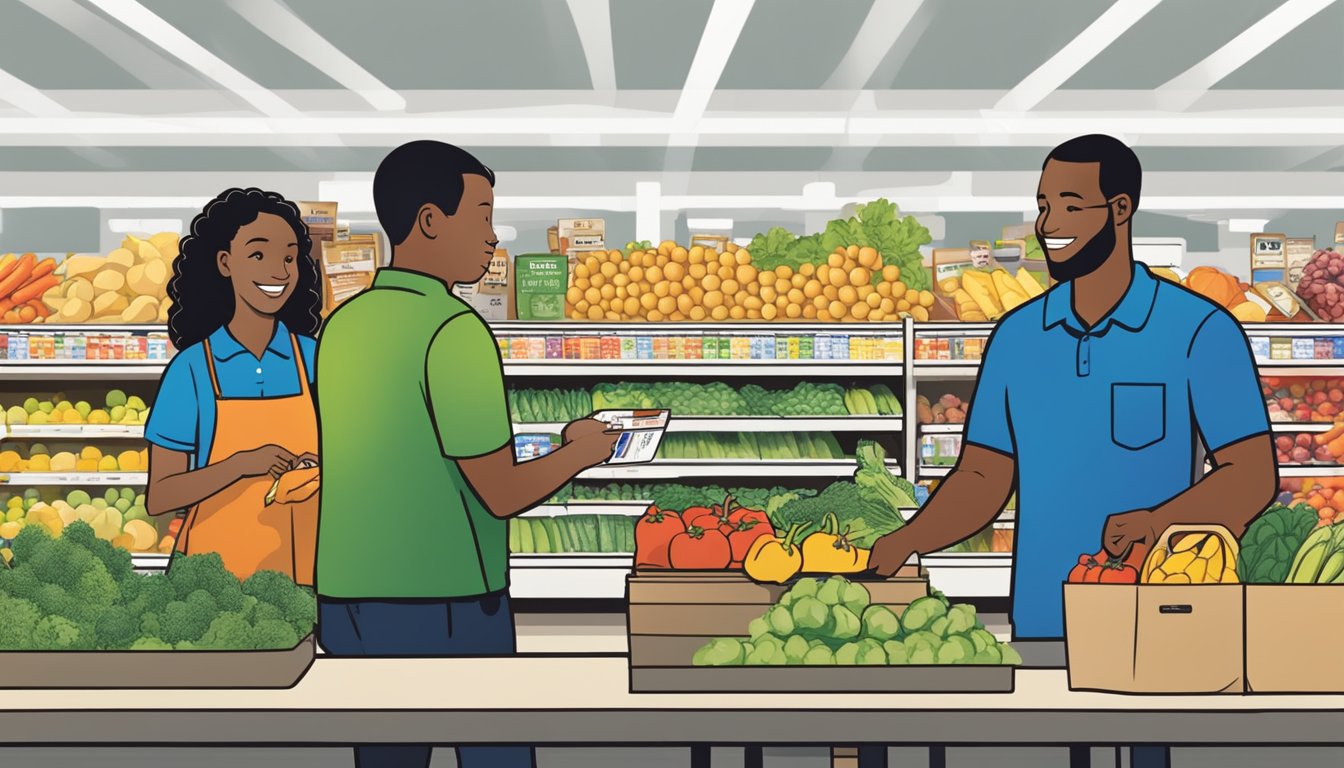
[{"x": 672, "y": 614}]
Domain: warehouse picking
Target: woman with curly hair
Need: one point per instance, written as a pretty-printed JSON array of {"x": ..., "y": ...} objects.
[{"x": 234, "y": 410}]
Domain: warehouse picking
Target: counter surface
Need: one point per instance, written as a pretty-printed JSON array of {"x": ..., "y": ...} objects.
[{"x": 585, "y": 700}]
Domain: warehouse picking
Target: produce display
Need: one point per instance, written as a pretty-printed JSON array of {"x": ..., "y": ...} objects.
[
  {"x": 120, "y": 409},
  {"x": 867, "y": 508},
  {"x": 832, "y": 622},
  {"x": 1322, "y": 285},
  {"x": 699, "y": 538},
  {"x": 949, "y": 409},
  {"x": 128, "y": 285},
  {"x": 986, "y": 296},
  {"x": 79, "y": 593},
  {"x": 1305, "y": 449},
  {"x": 39, "y": 458},
  {"x": 1325, "y": 495},
  {"x": 1228, "y": 292},
  {"x": 1271, "y": 543},
  {"x": 676, "y": 284},
  {"x": 1303, "y": 400},
  {"x": 768, "y": 446},
  {"x": 877, "y": 225},
  {"x": 715, "y": 399},
  {"x": 116, "y": 515},
  {"x": 23, "y": 281},
  {"x": 572, "y": 534}
]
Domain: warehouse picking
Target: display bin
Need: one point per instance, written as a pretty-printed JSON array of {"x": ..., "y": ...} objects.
[
  {"x": 1273, "y": 664},
  {"x": 674, "y": 613},
  {"x": 157, "y": 669}
]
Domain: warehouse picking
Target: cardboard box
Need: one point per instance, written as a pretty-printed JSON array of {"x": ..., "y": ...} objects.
[
  {"x": 348, "y": 268},
  {"x": 1275, "y": 617},
  {"x": 1155, "y": 638},
  {"x": 492, "y": 297},
  {"x": 1299, "y": 251},
  {"x": 541, "y": 281},
  {"x": 320, "y": 218}
]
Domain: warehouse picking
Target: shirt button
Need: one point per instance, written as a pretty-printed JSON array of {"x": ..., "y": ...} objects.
[{"x": 258, "y": 370}]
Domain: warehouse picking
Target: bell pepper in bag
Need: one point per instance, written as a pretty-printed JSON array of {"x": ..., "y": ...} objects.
[
  {"x": 830, "y": 551},
  {"x": 773, "y": 560}
]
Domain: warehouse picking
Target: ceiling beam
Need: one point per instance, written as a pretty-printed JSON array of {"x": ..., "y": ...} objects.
[
  {"x": 1185, "y": 89},
  {"x": 155, "y": 29},
  {"x": 280, "y": 24},
  {"x": 724, "y": 26},
  {"x": 28, "y": 98},
  {"x": 122, "y": 48},
  {"x": 885, "y": 23},
  {"x": 1075, "y": 55},
  {"x": 592, "y": 19}
]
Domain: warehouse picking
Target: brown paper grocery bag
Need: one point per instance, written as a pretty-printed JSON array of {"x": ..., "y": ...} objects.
[{"x": 1276, "y": 615}]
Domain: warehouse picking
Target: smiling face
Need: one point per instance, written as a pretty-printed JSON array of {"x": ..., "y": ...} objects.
[
  {"x": 262, "y": 264},
  {"x": 1076, "y": 224}
]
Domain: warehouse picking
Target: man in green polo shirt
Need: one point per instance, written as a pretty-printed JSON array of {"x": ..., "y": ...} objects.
[{"x": 418, "y": 471}]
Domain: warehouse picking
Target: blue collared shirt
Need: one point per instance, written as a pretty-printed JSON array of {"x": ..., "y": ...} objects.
[
  {"x": 183, "y": 414},
  {"x": 1105, "y": 420}
]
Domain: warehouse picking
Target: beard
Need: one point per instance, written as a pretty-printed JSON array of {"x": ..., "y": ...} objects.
[{"x": 1089, "y": 257}]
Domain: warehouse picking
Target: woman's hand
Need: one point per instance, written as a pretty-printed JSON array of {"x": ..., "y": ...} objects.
[{"x": 267, "y": 460}]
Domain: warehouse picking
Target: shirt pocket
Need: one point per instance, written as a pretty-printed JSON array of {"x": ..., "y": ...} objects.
[{"x": 1138, "y": 415}]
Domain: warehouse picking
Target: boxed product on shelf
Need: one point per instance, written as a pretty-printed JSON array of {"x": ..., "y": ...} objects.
[
  {"x": 541, "y": 282},
  {"x": 644, "y": 345},
  {"x": 84, "y": 346},
  {"x": 492, "y": 297}
]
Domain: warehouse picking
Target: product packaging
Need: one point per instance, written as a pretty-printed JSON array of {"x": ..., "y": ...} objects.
[
  {"x": 540, "y": 283},
  {"x": 348, "y": 268},
  {"x": 1299, "y": 251},
  {"x": 577, "y": 236},
  {"x": 641, "y": 434},
  {"x": 1269, "y": 258},
  {"x": 527, "y": 447},
  {"x": 320, "y": 219},
  {"x": 492, "y": 297}
]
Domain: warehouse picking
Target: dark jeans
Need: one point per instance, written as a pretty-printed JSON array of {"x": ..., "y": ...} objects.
[{"x": 478, "y": 626}]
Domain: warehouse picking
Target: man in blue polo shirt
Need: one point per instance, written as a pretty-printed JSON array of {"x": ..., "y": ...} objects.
[{"x": 1095, "y": 402}]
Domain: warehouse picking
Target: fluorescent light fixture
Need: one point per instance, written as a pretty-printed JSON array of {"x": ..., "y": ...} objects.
[
  {"x": 145, "y": 226},
  {"x": 27, "y": 97},
  {"x": 592, "y": 18},
  {"x": 703, "y": 224},
  {"x": 506, "y": 234},
  {"x": 1248, "y": 226},
  {"x": 717, "y": 43}
]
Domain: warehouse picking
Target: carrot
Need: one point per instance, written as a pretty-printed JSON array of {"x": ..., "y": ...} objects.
[
  {"x": 23, "y": 268},
  {"x": 42, "y": 269},
  {"x": 35, "y": 289},
  {"x": 1336, "y": 447},
  {"x": 1335, "y": 432},
  {"x": 27, "y": 314},
  {"x": 11, "y": 318},
  {"x": 40, "y": 308},
  {"x": 1316, "y": 501},
  {"x": 1337, "y": 500}
]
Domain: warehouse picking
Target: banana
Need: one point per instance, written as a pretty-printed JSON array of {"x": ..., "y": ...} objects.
[
  {"x": 1158, "y": 576},
  {"x": 1211, "y": 545},
  {"x": 1179, "y": 578},
  {"x": 1230, "y": 577},
  {"x": 1217, "y": 562},
  {"x": 1198, "y": 570},
  {"x": 1153, "y": 563},
  {"x": 1179, "y": 562},
  {"x": 1189, "y": 542}
]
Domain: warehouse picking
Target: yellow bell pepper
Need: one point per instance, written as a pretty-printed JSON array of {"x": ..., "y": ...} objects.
[
  {"x": 773, "y": 560},
  {"x": 830, "y": 551}
]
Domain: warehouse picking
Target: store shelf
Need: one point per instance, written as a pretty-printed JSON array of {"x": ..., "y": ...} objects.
[
  {"x": 988, "y": 574},
  {"x": 569, "y": 576},
  {"x": 672, "y": 470},
  {"x": 146, "y": 562},
  {"x": 760, "y": 424},
  {"x": 942, "y": 429},
  {"x": 946, "y": 369},
  {"x": 72, "y": 431},
  {"x": 1311, "y": 471},
  {"x": 74, "y": 478},
  {"x": 702, "y": 369},
  {"x": 628, "y": 508},
  {"x": 934, "y": 471},
  {"x": 41, "y": 370},
  {"x": 1281, "y": 426}
]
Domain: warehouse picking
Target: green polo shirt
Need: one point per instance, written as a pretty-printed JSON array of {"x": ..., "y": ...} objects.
[{"x": 409, "y": 381}]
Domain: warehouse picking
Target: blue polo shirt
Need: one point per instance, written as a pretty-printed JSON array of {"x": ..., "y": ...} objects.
[
  {"x": 183, "y": 414},
  {"x": 1105, "y": 420}
]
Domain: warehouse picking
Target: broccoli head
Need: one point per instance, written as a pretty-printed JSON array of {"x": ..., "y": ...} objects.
[
  {"x": 79, "y": 533},
  {"x": 297, "y": 604},
  {"x": 96, "y": 588},
  {"x": 231, "y": 599},
  {"x": 31, "y": 540},
  {"x": 62, "y": 562},
  {"x": 152, "y": 595},
  {"x": 19, "y": 582},
  {"x": 116, "y": 560},
  {"x": 116, "y": 628},
  {"x": 16, "y": 630},
  {"x": 272, "y": 634},
  {"x": 229, "y": 631},
  {"x": 184, "y": 620},
  {"x": 188, "y": 573},
  {"x": 57, "y": 633},
  {"x": 150, "y": 644}
]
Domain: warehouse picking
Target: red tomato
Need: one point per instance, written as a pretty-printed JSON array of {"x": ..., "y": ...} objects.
[
  {"x": 653, "y": 537},
  {"x": 745, "y": 534},
  {"x": 700, "y": 550},
  {"x": 1079, "y": 574},
  {"x": 1123, "y": 574}
]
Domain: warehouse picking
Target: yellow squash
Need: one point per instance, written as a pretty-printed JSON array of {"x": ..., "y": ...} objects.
[
  {"x": 772, "y": 560},
  {"x": 831, "y": 551}
]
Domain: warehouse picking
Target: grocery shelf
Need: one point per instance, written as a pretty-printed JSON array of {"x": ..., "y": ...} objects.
[
  {"x": 934, "y": 471},
  {"x": 41, "y": 370},
  {"x": 760, "y": 424},
  {"x": 987, "y": 574},
  {"x": 88, "y": 329},
  {"x": 708, "y": 368},
  {"x": 946, "y": 369},
  {"x": 524, "y": 327},
  {"x": 1310, "y": 471},
  {"x": 74, "y": 478},
  {"x": 72, "y": 431},
  {"x": 1284, "y": 426},
  {"x": 671, "y": 470},
  {"x": 569, "y": 576},
  {"x": 1301, "y": 367},
  {"x": 148, "y": 562},
  {"x": 942, "y": 429},
  {"x": 628, "y": 508}
]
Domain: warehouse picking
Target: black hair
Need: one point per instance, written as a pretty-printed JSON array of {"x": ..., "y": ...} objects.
[
  {"x": 420, "y": 173},
  {"x": 203, "y": 300},
  {"x": 1121, "y": 173}
]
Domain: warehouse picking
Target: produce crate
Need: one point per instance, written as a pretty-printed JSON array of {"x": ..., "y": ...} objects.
[
  {"x": 1272, "y": 663},
  {"x": 157, "y": 669},
  {"x": 673, "y": 613}
]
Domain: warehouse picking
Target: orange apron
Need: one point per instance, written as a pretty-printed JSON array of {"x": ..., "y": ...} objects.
[{"x": 249, "y": 534}]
